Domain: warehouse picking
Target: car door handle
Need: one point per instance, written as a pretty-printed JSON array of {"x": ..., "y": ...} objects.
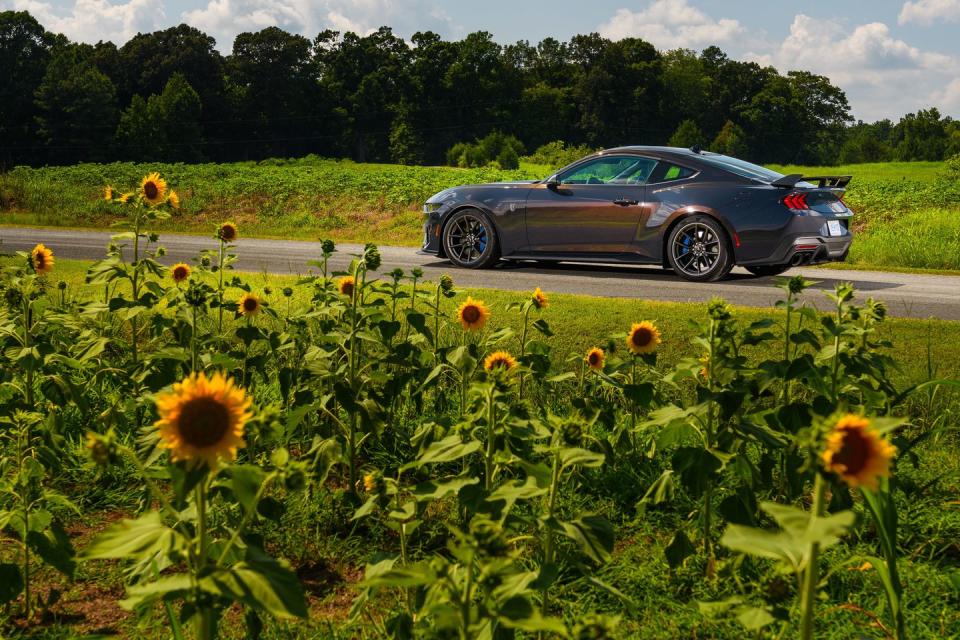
[{"x": 624, "y": 202}]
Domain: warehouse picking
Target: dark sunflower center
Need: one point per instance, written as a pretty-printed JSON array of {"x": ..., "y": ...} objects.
[
  {"x": 471, "y": 314},
  {"x": 642, "y": 337},
  {"x": 179, "y": 273},
  {"x": 249, "y": 304},
  {"x": 854, "y": 452},
  {"x": 203, "y": 422},
  {"x": 150, "y": 190},
  {"x": 40, "y": 260},
  {"x": 347, "y": 288},
  {"x": 594, "y": 359},
  {"x": 228, "y": 232},
  {"x": 500, "y": 362}
]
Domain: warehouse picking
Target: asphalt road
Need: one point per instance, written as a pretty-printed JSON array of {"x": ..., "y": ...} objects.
[{"x": 909, "y": 295}]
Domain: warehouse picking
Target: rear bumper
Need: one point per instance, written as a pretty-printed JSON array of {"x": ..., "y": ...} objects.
[{"x": 809, "y": 240}]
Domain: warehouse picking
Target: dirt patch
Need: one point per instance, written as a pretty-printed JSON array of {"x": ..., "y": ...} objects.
[{"x": 329, "y": 588}]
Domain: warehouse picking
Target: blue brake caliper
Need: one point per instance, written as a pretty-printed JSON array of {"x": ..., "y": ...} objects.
[
  {"x": 482, "y": 240},
  {"x": 686, "y": 245}
]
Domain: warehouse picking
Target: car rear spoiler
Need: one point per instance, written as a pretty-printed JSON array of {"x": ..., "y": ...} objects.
[{"x": 833, "y": 182}]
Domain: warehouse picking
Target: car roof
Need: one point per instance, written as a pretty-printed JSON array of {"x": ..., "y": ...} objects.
[{"x": 651, "y": 150}]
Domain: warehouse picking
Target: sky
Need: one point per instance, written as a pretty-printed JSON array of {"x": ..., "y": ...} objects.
[{"x": 890, "y": 56}]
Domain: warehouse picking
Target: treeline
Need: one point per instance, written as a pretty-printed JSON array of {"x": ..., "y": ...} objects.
[{"x": 171, "y": 96}]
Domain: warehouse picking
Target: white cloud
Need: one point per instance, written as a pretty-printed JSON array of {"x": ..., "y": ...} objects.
[
  {"x": 927, "y": 12},
  {"x": 882, "y": 76},
  {"x": 671, "y": 24},
  {"x": 947, "y": 99},
  {"x": 94, "y": 20},
  {"x": 224, "y": 19}
]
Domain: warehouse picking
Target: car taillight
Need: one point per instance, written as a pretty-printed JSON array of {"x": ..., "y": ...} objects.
[{"x": 796, "y": 201}]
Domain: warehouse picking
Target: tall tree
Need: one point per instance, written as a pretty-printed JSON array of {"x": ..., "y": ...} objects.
[
  {"x": 25, "y": 50},
  {"x": 77, "y": 107}
]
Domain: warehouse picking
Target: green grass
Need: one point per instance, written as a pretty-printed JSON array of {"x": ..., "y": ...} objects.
[
  {"x": 924, "y": 347},
  {"x": 318, "y": 536},
  {"x": 312, "y": 198}
]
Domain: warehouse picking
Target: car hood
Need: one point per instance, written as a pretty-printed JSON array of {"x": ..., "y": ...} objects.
[{"x": 489, "y": 186}]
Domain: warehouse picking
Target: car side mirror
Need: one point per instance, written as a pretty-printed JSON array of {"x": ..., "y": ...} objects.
[{"x": 552, "y": 182}]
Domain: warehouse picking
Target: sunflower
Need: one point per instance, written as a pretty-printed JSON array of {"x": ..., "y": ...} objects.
[
  {"x": 125, "y": 198},
  {"x": 248, "y": 305},
  {"x": 643, "y": 337},
  {"x": 203, "y": 418},
  {"x": 595, "y": 358},
  {"x": 108, "y": 193},
  {"x": 499, "y": 360},
  {"x": 370, "y": 482},
  {"x": 153, "y": 188},
  {"x": 41, "y": 259},
  {"x": 857, "y": 453},
  {"x": 472, "y": 314},
  {"x": 173, "y": 200},
  {"x": 345, "y": 285},
  {"x": 180, "y": 272},
  {"x": 539, "y": 299},
  {"x": 228, "y": 232}
]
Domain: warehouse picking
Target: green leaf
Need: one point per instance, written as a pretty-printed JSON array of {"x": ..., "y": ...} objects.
[
  {"x": 53, "y": 545},
  {"x": 164, "y": 588},
  {"x": 594, "y": 535},
  {"x": 575, "y": 456},
  {"x": 753, "y": 618},
  {"x": 11, "y": 582},
  {"x": 131, "y": 539},
  {"x": 246, "y": 480},
  {"x": 679, "y": 549},
  {"x": 437, "y": 490},
  {"x": 450, "y": 448},
  {"x": 261, "y": 582}
]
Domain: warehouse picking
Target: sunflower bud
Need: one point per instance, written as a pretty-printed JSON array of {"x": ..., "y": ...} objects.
[
  {"x": 287, "y": 292},
  {"x": 295, "y": 479},
  {"x": 62, "y": 285},
  {"x": 572, "y": 433},
  {"x": 205, "y": 261},
  {"x": 446, "y": 283},
  {"x": 718, "y": 309},
  {"x": 154, "y": 236},
  {"x": 796, "y": 284},
  {"x": 488, "y": 536},
  {"x": 371, "y": 256},
  {"x": 161, "y": 251},
  {"x": 102, "y": 448},
  {"x": 195, "y": 296},
  {"x": 327, "y": 246},
  {"x": 417, "y": 273},
  {"x": 594, "y": 627},
  {"x": 267, "y": 291}
]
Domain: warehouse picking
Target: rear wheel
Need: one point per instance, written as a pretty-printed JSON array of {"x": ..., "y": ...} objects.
[
  {"x": 762, "y": 270},
  {"x": 698, "y": 250},
  {"x": 469, "y": 240}
]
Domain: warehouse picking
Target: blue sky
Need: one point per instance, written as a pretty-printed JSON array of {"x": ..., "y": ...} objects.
[{"x": 890, "y": 56}]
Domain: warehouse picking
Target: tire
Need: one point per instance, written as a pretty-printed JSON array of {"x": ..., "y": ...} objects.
[
  {"x": 762, "y": 270},
  {"x": 698, "y": 250},
  {"x": 469, "y": 240}
]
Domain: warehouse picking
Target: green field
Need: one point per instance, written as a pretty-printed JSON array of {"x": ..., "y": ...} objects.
[
  {"x": 328, "y": 549},
  {"x": 312, "y": 198}
]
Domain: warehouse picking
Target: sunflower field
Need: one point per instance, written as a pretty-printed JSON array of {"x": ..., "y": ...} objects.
[{"x": 207, "y": 456}]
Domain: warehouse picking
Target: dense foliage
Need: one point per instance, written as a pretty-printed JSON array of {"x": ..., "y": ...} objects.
[
  {"x": 171, "y": 96},
  {"x": 471, "y": 457}
]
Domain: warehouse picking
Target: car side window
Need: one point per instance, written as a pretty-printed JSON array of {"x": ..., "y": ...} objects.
[
  {"x": 668, "y": 172},
  {"x": 615, "y": 170}
]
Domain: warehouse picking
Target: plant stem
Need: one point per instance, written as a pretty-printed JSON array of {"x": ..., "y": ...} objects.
[
  {"x": 491, "y": 441},
  {"x": 811, "y": 576},
  {"x": 548, "y": 539}
]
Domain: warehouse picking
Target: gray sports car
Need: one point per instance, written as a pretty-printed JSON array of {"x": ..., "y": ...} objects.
[{"x": 696, "y": 212}]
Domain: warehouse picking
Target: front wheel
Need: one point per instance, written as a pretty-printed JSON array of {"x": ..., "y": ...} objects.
[
  {"x": 697, "y": 250},
  {"x": 469, "y": 240},
  {"x": 762, "y": 270}
]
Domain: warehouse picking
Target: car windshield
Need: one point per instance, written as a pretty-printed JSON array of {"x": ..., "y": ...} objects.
[{"x": 740, "y": 167}]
